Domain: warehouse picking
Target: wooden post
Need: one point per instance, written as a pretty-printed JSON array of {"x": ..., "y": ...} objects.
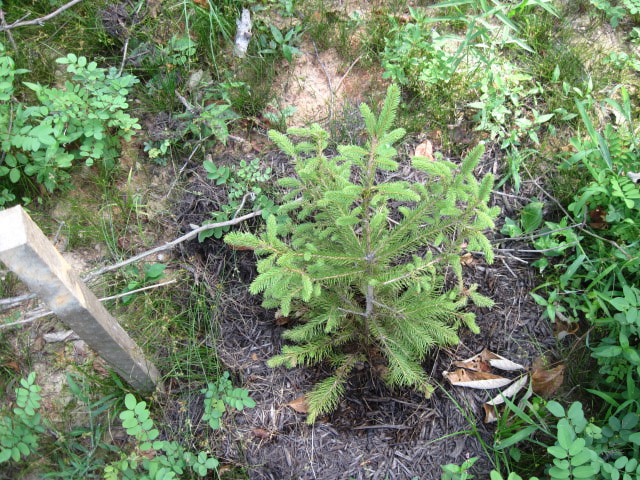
[{"x": 26, "y": 251}]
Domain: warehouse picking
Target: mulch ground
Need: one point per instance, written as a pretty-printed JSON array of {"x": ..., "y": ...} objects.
[{"x": 376, "y": 433}]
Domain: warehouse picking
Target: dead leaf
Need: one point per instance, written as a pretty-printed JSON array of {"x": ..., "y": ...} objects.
[
  {"x": 150, "y": 454},
  {"x": 38, "y": 344},
  {"x": 561, "y": 328},
  {"x": 254, "y": 357},
  {"x": 13, "y": 365},
  {"x": 509, "y": 392},
  {"x": 224, "y": 469},
  {"x": 471, "y": 379},
  {"x": 261, "y": 433},
  {"x": 500, "y": 362},
  {"x": 425, "y": 149},
  {"x": 483, "y": 361},
  {"x": 239, "y": 247},
  {"x": 490, "y": 413},
  {"x": 280, "y": 319},
  {"x": 467, "y": 260},
  {"x": 475, "y": 363},
  {"x": 201, "y": 3},
  {"x": 545, "y": 382},
  {"x": 100, "y": 366},
  {"x": 300, "y": 404},
  {"x": 598, "y": 218}
]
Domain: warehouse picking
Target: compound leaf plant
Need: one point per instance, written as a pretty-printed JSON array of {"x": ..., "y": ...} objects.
[{"x": 361, "y": 259}]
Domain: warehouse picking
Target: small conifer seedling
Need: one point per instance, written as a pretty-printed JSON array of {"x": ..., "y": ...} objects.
[{"x": 361, "y": 260}]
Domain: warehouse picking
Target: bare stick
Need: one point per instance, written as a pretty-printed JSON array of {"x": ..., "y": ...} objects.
[
  {"x": 169, "y": 245},
  {"x": 15, "y": 300},
  {"x": 138, "y": 290},
  {"x": 3, "y": 26},
  {"x": 41, "y": 20},
  {"x": 166, "y": 246},
  {"x": 124, "y": 56},
  {"x": 353, "y": 64},
  {"x": 41, "y": 312}
]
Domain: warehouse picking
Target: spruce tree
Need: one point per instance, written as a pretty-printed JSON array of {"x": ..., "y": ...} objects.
[{"x": 360, "y": 262}]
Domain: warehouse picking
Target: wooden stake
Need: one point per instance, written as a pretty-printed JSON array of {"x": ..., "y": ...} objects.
[{"x": 26, "y": 251}]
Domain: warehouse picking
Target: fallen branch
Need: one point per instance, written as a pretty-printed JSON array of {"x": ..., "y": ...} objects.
[
  {"x": 13, "y": 301},
  {"x": 41, "y": 20},
  {"x": 3, "y": 26},
  {"x": 41, "y": 312},
  {"x": 169, "y": 245}
]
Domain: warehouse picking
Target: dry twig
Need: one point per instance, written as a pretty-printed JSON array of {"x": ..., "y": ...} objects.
[
  {"x": 40, "y": 312},
  {"x": 173, "y": 243},
  {"x": 37, "y": 21}
]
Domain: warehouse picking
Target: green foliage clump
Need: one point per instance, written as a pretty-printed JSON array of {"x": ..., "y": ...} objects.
[
  {"x": 20, "y": 432},
  {"x": 362, "y": 260},
  {"x": 81, "y": 120},
  {"x": 245, "y": 186},
  {"x": 163, "y": 459},
  {"x": 593, "y": 251},
  {"x": 600, "y": 268},
  {"x": 581, "y": 448},
  {"x": 219, "y": 395},
  {"x": 142, "y": 276},
  {"x": 617, "y": 11},
  {"x": 146, "y": 461},
  {"x": 418, "y": 57}
]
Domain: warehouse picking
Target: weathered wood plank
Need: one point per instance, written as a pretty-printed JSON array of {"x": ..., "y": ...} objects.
[{"x": 26, "y": 251}]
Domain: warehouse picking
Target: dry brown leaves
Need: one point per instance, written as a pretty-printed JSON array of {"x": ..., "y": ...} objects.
[
  {"x": 425, "y": 149},
  {"x": 475, "y": 372},
  {"x": 545, "y": 382},
  {"x": 483, "y": 361},
  {"x": 300, "y": 404},
  {"x": 261, "y": 433},
  {"x": 474, "y": 379}
]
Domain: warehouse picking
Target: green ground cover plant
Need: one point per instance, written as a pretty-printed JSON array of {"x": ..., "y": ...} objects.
[
  {"x": 592, "y": 257},
  {"x": 82, "y": 121},
  {"x": 353, "y": 277},
  {"x": 147, "y": 461},
  {"x": 599, "y": 257},
  {"x": 246, "y": 189},
  {"x": 19, "y": 432},
  {"x": 84, "y": 450}
]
